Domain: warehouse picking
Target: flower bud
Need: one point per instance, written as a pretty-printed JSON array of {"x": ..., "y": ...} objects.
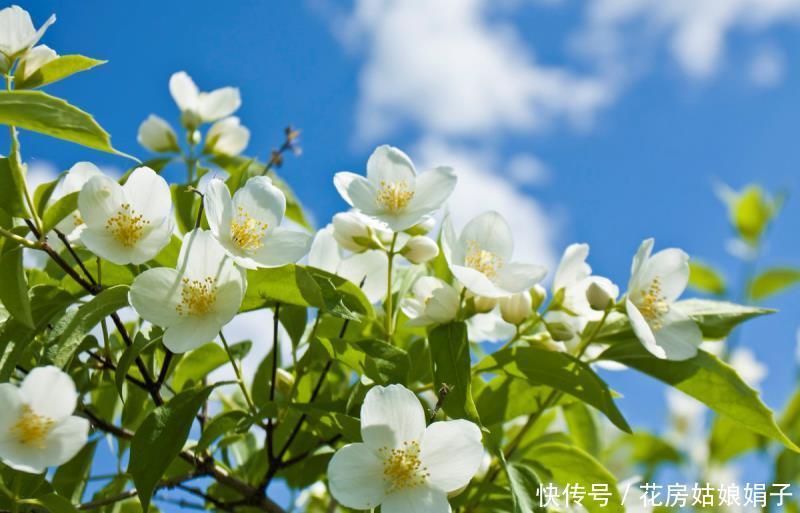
[
  {"x": 32, "y": 60},
  {"x": 562, "y": 326},
  {"x": 227, "y": 137},
  {"x": 420, "y": 249},
  {"x": 422, "y": 227},
  {"x": 515, "y": 309},
  {"x": 538, "y": 295},
  {"x": 284, "y": 382},
  {"x": 351, "y": 232},
  {"x": 156, "y": 135},
  {"x": 484, "y": 304},
  {"x": 598, "y": 297}
]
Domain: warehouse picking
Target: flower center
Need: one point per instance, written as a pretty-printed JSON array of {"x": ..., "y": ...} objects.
[
  {"x": 481, "y": 260},
  {"x": 652, "y": 304},
  {"x": 127, "y": 226},
  {"x": 247, "y": 233},
  {"x": 394, "y": 195},
  {"x": 32, "y": 429},
  {"x": 402, "y": 468},
  {"x": 197, "y": 296}
]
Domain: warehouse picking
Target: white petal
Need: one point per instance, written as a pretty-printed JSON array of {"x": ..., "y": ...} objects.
[
  {"x": 671, "y": 267},
  {"x": 643, "y": 331},
  {"x": 219, "y": 103},
  {"x": 356, "y": 190},
  {"x": 453, "y": 252},
  {"x": 389, "y": 164},
  {"x": 370, "y": 266},
  {"x": 76, "y": 177},
  {"x": 281, "y": 247},
  {"x": 155, "y": 295},
  {"x": 65, "y": 440},
  {"x": 477, "y": 282},
  {"x": 260, "y": 200},
  {"x": 183, "y": 91},
  {"x": 17, "y": 32},
  {"x": 491, "y": 232},
  {"x": 402, "y": 220},
  {"x": 679, "y": 337},
  {"x": 219, "y": 207},
  {"x": 154, "y": 238},
  {"x": 573, "y": 267},
  {"x": 390, "y": 416},
  {"x": 49, "y": 392},
  {"x": 515, "y": 277},
  {"x": 190, "y": 333},
  {"x": 103, "y": 244},
  {"x": 641, "y": 256},
  {"x": 22, "y": 457},
  {"x": 148, "y": 194},
  {"x": 100, "y": 198},
  {"x": 324, "y": 253},
  {"x": 10, "y": 403},
  {"x": 202, "y": 256},
  {"x": 452, "y": 452},
  {"x": 355, "y": 476},
  {"x": 229, "y": 298},
  {"x": 227, "y": 137},
  {"x": 413, "y": 308},
  {"x": 432, "y": 190},
  {"x": 35, "y": 58},
  {"x": 157, "y": 135},
  {"x": 420, "y": 499}
]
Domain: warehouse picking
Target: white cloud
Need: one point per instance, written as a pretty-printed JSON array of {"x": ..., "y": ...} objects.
[
  {"x": 767, "y": 67},
  {"x": 481, "y": 187},
  {"x": 451, "y": 68},
  {"x": 694, "y": 33},
  {"x": 528, "y": 169}
]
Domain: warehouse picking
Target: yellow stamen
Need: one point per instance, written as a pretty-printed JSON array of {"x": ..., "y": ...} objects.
[
  {"x": 32, "y": 429},
  {"x": 652, "y": 304},
  {"x": 247, "y": 233},
  {"x": 126, "y": 226},
  {"x": 394, "y": 195},
  {"x": 481, "y": 260},
  {"x": 402, "y": 468},
  {"x": 197, "y": 296}
]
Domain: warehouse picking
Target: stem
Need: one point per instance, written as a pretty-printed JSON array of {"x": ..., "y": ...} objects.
[
  {"x": 239, "y": 378},
  {"x": 388, "y": 305},
  {"x": 22, "y": 241}
]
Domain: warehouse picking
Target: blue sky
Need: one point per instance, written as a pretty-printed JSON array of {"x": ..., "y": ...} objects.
[{"x": 602, "y": 122}]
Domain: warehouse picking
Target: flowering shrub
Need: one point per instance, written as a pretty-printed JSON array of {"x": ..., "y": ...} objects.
[{"x": 391, "y": 398}]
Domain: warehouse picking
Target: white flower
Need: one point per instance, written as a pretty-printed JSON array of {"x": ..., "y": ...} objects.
[
  {"x": 353, "y": 231},
  {"x": 420, "y": 249},
  {"x": 516, "y": 308},
  {"x": 72, "y": 225},
  {"x": 194, "y": 301},
  {"x": 434, "y": 302},
  {"x": 37, "y": 428},
  {"x": 34, "y": 59},
  {"x": 227, "y": 137},
  {"x": 656, "y": 282},
  {"x": 480, "y": 257},
  {"x": 574, "y": 277},
  {"x": 248, "y": 225},
  {"x": 489, "y": 327},
  {"x": 126, "y": 224},
  {"x": 17, "y": 33},
  {"x": 392, "y": 190},
  {"x": 198, "y": 107},
  {"x": 157, "y": 135},
  {"x": 370, "y": 266},
  {"x": 403, "y": 466}
]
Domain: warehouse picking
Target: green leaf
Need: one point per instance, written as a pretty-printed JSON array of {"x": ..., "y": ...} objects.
[
  {"x": 197, "y": 364},
  {"x": 718, "y": 318},
  {"x": 559, "y": 371},
  {"x": 60, "y": 352},
  {"x": 160, "y": 439},
  {"x": 568, "y": 464},
  {"x": 729, "y": 441},
  {"x": 55, "y": 70},
  {"x": 705, "y": 278},
  {"x": 452, "y": 367},
  {"x": 773, "y": 281},
  {"x": 582, "y": 427},
  {"x": 222, "y": 424},
  {"x": 69, "y": 479},
  {"x": 707, "y": 379},
  {"x": 53, "y": 503},
  {"x": 12, "y": 183},
  {"x": 14, "y": 289},
  {"x": 524, "y": 487},
  {"x": 48, "y": 115},
  {"x": 56, "y": 212},
  {"x": 129, "y": 356},
  {"x": 646, "y": 449},
  {"x": 379, "y": 361}
]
